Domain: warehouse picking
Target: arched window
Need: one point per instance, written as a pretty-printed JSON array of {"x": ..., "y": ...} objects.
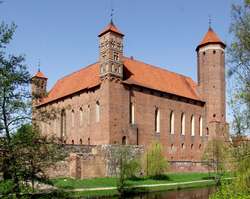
[
  {"x": 132, "y": 113},
  {"x": 207, "y": 131},
  {"x": 182, "y": 146},
  {"x": 88, "y": 141},
  {"x": 192, "y": 126},
  {"x": 80, "y": 141},
  {"x": 81, "y": 116},
  {"x": 183, "y": 124},
  {"x": 63, "y": 124},
  {"x": 171, "y": 122},
  {"x": 200, "y": 125},
  {"x": 72, "y": 118},
  {"x": 72, "y": 142},
  {"x": 157, "y": 120},
  {"x": 97, "y": 111}
]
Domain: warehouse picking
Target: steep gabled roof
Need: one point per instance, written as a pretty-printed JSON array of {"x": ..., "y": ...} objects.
[
  {"x": 160, "y": 79},
  {"x": 210, "y": 38},
  {"x": 135, "y": 72}
]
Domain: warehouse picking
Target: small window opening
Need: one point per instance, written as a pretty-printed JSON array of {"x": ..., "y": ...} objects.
[
  {"x": 81, "y": 141},
  {"x": 214, "y": 51},
  {"x": 72, "y": 142},
  {"x": 88, "y": 141},
  {"x": 124, "y": 140},
  {"x": 192, "y": 146}
]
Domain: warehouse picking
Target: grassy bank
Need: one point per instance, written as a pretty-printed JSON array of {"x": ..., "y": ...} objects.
[{"x": 76, "y": 185}]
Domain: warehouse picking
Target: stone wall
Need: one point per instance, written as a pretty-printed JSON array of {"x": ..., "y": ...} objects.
[{"x": 88, "y": 161}]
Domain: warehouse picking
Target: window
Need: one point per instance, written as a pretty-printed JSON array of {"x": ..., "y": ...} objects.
[
  {"x": 81, "y": 116},
  {"x": 183, "y": 124},
  {"x": 63, "y": 124},
  {"x": 124, "y": 140},
  {"x": 171, "y": 122},
  {"x": 97, "y": 111},
  {"x": 88, "y": 114},
  {"x": 157, "y": 120},
  {"x": 116, "y": 56},
  {"x": 81, "y": 141},
  {"x": 72, "y": 118},
  {"x": 132, "y": 113},
  {"x": 192, "y": 126},
  {"x": 182, "y": 146},
  {"x": 200, "y": 122}
]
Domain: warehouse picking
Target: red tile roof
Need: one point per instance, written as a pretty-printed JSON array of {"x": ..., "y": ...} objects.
[
  {"x": 135, "y": 72},
  {"x": 210, "y": 38},
  {"x": 40, "y": 75},
  {"x": 110, "y": 27}
]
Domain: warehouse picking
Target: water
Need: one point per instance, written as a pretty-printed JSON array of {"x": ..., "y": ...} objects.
[{"x": 202, "y": 193}]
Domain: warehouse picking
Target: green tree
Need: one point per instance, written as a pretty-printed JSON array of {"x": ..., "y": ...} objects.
[
  {"x": 239, "y": 58},
  {"x": 14, "y": 101},
  {"x": 154, "y": 161},
  {"x": 127, "y": 166},
  {"x": 216, "y": 157}
]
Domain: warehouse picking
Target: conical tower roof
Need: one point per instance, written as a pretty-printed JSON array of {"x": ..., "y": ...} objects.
[{"x": 210, "y": 38}]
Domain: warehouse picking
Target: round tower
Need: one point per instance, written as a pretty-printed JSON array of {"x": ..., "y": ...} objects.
[
  {"x": 111, "y": 52},
  {"x": 211, "y": 78}
]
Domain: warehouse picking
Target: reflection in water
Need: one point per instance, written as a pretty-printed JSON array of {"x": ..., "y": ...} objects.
[{"x": 181, "y": 194}]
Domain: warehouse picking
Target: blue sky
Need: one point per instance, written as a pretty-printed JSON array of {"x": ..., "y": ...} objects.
[{"x": 62, "y": 34}]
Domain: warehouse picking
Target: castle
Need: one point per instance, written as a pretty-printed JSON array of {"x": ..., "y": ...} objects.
[{"x": 120, "y": 100}]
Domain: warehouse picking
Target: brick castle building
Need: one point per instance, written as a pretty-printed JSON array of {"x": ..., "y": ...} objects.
[{"x": 120, "y": 100}]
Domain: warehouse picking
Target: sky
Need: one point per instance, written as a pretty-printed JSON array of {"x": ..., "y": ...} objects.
[{"x": 63, "y": 34}]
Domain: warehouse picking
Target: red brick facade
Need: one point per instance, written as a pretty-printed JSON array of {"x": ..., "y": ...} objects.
[{"x": 124, "y": 101}]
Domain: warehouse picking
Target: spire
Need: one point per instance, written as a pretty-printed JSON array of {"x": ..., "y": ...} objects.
[
  {"x": 210, "y": 38},
  {"x": 111, "y": 28}
]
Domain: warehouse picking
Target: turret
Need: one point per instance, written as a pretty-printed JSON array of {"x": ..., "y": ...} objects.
[
  {"x": 211, "y": 76},
  {"x": 38, "y": 86},
  {"x": 111, "y": 52}
]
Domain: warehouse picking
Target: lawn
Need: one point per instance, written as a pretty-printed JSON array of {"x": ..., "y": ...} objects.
[{"x": 68, "y": 183}]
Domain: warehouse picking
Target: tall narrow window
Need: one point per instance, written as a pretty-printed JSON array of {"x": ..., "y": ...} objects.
[
  {"x": 63, "y": 124},
  {"x": 72, "y": 118},
  {"x": 88, "y": 114},
  {"x": 183, "y": 124},
  {"x": 97, "y": 111},
  {"x": 157, "y": 120},
  {"x": 200, "y": 122},
  {"x": 81, "y": 116},
  {"x": 171, "y": 122},
  {"x": 132, "y": 113},
  {"x": 192, "y": 126}
]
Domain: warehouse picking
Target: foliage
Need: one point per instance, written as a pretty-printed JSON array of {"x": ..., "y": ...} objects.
[
  {"x": 127, "y": 165},
  {"x": 24, "y": 153},
  {"x": 239, "y": 70},
  {"x": 217, "y": 157},
  {"x": 155, "y": 161}
]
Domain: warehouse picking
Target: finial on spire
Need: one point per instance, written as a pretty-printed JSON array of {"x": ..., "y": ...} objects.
[
  {"x": 209, "y": 21},
  {"x": 38, "y": 65},
  {"x": 111, "y": 11}
]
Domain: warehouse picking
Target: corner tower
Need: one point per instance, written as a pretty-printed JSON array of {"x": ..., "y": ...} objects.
[
  {"x": 111, "y": 52},
  {"x": 38, "y": 86},
  {"x": 211, "y": 79}
]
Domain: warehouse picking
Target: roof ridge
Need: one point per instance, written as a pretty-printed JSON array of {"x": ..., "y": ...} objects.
[{"x": 159, "y": 68}]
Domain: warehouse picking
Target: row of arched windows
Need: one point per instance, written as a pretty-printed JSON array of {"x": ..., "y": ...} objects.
[
  {"x": 84, "y": 117},
  {"x": 183, "y": 123},
  {"x": 157, "y": 121}
]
